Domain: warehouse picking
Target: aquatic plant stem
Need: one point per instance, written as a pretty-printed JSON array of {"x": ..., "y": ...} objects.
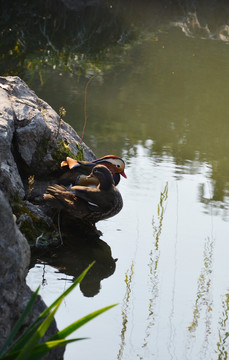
[
  {"x": 85, "y": 106},
  {"x": 61, "y": 239}
]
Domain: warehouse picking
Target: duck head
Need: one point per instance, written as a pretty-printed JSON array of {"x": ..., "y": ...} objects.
[
  {"x": 103, "y": 175},
  {"x": 114, "y": 163}
]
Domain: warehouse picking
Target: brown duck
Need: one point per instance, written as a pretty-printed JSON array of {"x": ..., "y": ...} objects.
[{"x": 87, "y": 204}]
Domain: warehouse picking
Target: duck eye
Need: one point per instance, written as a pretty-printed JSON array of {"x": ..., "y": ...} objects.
[{"x": 118, "y": 166}]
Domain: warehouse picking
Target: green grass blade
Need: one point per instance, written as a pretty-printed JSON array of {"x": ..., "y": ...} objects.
[
  {"x": 29, "y": 347},
  {"x": 49, "y": 345},
  {"x": 41, "y": 350},
  {"x": 20, "y": 322},
  {"x": 77, "y": 324},
  {"x": 23, "y": 339}
]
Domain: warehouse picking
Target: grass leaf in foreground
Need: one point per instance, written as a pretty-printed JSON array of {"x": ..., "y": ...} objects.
[
  {"x": 28, "y": 346},
  {"x": 24, "y": 338},
  {"x": 77, "y": 324}
]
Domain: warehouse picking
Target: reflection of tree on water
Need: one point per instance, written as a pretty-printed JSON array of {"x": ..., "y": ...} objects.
[
  {"x": 218, "y": 203},
  {"x": 73, "y": 258},
  {"x": 213, "y": 193}
]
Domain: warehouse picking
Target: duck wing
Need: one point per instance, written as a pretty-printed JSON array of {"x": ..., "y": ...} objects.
[
  {"x": 58, "y": 196},
  {"x": 61, "y": 198},
  {"x": 96, "y": 198}
]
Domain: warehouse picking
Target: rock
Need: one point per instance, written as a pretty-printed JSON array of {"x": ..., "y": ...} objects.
[
  {"x": 10, "y": 181},
  {"x": 38, "y": 132},
  {"x": 14, "y": 293}
]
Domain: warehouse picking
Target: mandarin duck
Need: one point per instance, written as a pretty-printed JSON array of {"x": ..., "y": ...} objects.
[
  {"x": 85, "y": 203},
  {"x": 76, "y": 172}
]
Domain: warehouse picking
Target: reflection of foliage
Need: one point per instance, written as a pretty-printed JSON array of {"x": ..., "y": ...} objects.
[
  {"x": 220, "y": 178},
  {"x": 126, "y": 301},
  {"x": 219, "y": 201},
  {"x": 223, "y": 334},
  {"x": 203, "y": 297},
  {"x": 160, "y": 214}
]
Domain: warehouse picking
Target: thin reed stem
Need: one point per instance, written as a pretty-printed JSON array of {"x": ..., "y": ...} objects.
[
  {"x": 85, "y": 106},
  {"x": 61, "y": 239}
]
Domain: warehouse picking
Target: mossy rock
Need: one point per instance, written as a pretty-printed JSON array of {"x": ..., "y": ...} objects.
[
  {"x": 59, "y": 150},
  {"x": 43, "y": 164},
  {"x": 63, "y": 150},
  {"x": 35, "y": 229}
]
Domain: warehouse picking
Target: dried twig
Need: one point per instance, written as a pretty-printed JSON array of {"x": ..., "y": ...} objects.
[
  {"x": 30, "y": 183},
  {"x": 62, "y": 113}
]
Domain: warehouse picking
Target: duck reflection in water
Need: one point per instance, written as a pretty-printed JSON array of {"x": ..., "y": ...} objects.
[
  {"x": 86, "y": 204},
  {"x": 73, "y": 258}
]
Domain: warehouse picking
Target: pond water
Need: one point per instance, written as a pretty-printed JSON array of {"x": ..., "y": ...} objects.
[{"x": 163, "y": 107}]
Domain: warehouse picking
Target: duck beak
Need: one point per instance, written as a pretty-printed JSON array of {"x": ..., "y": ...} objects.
[{"x": 123, "y": 174}]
